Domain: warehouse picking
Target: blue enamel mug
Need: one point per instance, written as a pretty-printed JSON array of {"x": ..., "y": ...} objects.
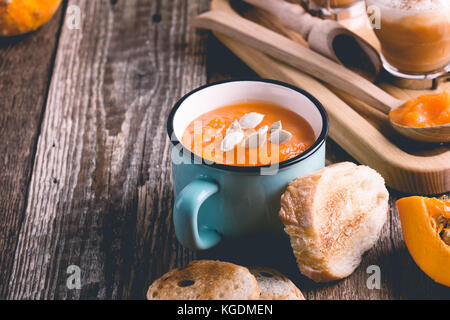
[{"x": 214, "y": 200}]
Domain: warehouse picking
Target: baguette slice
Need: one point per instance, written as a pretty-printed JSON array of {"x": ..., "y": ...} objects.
[
  {"x": 332, "y": 217},
  {"x": 275, "y": 286},
  {"x": 206, "y": 280}
]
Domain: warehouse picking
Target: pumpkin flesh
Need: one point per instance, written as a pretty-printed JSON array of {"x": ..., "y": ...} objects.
[
  {"x": 22, "y": 16},
  {"x": 425, "y": 222}
]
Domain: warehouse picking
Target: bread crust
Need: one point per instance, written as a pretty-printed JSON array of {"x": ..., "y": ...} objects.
[
  {"x": 206, "y": 280},
  {"x": 332, "y": 217}
]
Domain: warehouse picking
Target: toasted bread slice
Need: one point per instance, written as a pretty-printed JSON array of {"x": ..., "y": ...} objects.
[
  {"x": 275, "y": 286},
  {"x": 205, "y": 280},
  {"x": 332, "y": 217}
]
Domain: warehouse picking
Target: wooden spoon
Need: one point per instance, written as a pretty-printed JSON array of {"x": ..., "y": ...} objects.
[
  {"x": 316, "y": 65},
  {"x": 326, "y": 37}
]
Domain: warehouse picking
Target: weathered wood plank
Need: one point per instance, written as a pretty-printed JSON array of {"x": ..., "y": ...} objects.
[
  {"x": 101, "y": 194},
  {"x": 25, "y": 68}
]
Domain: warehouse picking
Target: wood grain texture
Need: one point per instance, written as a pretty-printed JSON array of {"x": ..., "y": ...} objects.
[
  {"x": 101, "y": 194},
  {"x": 25, "y": 68}
]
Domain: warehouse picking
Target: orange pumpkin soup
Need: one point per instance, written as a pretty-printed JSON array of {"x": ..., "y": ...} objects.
[{"x": 249, "y": 134}]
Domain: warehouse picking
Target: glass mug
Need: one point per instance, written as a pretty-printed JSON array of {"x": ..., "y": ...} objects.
[{"x": 414, "y": 36}]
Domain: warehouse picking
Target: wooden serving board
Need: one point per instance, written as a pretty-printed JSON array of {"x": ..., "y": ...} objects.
[{"x": 407, "y": 166}]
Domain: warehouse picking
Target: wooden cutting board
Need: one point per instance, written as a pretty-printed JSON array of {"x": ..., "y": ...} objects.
[{"x": 407, "y": 166}]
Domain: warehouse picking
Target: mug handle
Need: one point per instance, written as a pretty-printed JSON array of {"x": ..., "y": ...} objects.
[{"x": 185, "y": 215}]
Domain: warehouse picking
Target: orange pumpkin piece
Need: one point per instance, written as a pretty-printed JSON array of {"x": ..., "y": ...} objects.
[
  {"x": 426, "y": 230},
  {"x": 22, "y": 16}
]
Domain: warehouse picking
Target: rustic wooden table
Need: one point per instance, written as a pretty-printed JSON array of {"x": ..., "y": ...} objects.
[{"x": 85, "y": 174}]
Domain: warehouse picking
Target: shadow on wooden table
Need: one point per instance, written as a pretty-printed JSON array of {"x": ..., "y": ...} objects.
[
  {"x": 261, "y": 251},
  {"x": 10, "y": 41}
]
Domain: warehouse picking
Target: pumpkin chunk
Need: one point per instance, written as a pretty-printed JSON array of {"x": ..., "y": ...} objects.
[
  {"x": 22, "y": 16},
  {"x": 426, "y": 230}
]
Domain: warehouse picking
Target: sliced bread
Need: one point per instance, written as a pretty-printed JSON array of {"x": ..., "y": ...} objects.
[
  {"x": 275, "y": 286},
  {"x": 206, "y": 280},
  {"x": 332, "y": 217}
]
